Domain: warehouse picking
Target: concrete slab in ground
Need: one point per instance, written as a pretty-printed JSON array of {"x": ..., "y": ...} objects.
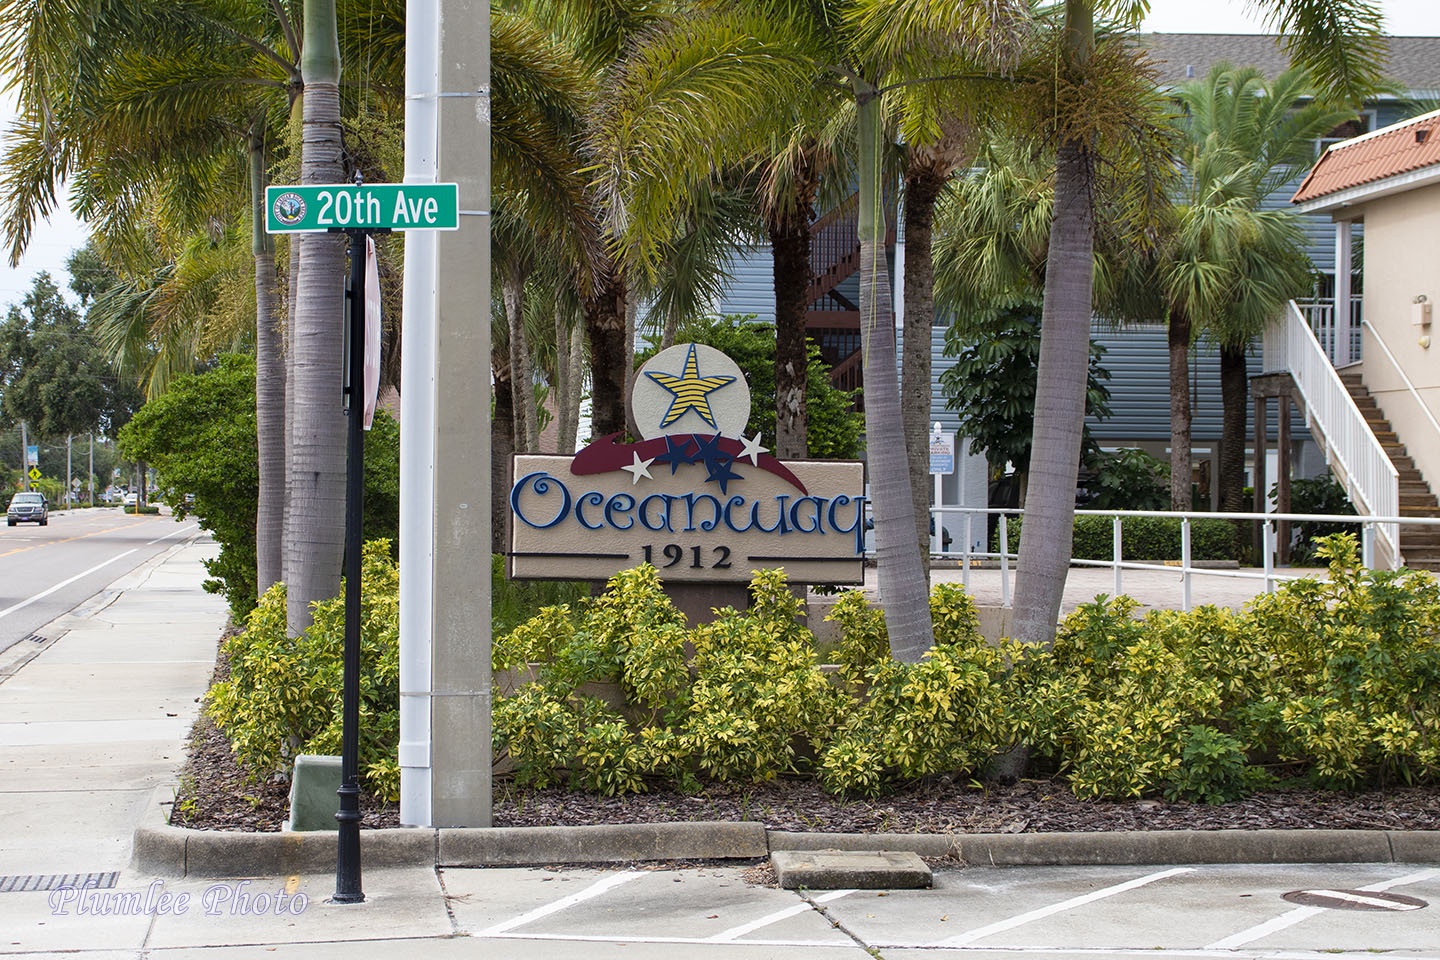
[
  {"x": 69, "y": 767},
  {"x": 32, "y": 923},
  {"x": 399, "y": 903},
  {"x": 37, "y": 839},
  {"x": 464, "y": 948},
  {"x": 1121, "y": 909},
  {"x": 857, "y": 869},
  {"x": 700, "y": 905}
]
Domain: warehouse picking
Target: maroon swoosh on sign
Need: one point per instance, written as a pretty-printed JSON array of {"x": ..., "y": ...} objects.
[{"x": 606, "y": 455}]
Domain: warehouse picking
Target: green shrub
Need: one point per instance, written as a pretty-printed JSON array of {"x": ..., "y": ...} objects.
[
  {"x": 200, "y": 437},
  {"x": 1316, "y": 495},
  {"x": 1339, "y": 678},
  {"x": 1143, "y": 538},
  {"x": 1130, "y": 479},
  {"x": 1356, "y": 691},
  {"x": 282, "y": 695},
  {"x": 750, "y": 701},
  {"x": 512, "y": 602},
  {"x": 1213, "y": 767}
]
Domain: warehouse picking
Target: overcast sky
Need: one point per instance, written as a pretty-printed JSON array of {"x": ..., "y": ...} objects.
[
  {"x": 1402, "y": 17},
  {"x": 54, "y": 241}
]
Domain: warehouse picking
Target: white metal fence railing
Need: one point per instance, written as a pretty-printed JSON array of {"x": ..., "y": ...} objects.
[
  {"x": 1356, "y": 458},
  {"x": 1320, "y": 318},
  {"x": 970, "y": 525}
]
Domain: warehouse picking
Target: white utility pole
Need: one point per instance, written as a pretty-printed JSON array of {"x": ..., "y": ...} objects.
[{"x": 445, "y": 428}]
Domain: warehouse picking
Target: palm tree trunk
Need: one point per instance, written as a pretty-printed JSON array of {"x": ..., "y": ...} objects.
[
  {"x": 527, "y": 430},
  {"x": 502, "y": 446},
  {"x": 564, "y": 386},
  {"x": 609, "y": 353},
  {"x": 904, "y": 589},
  {"x": 922, "y": 186},
  {"x": 570, "y": 371},
  {"x": 1179, "y": 339},
  {"x": 1234, "y": 390},
  {"x": 269, "y": 381},
  {"x": 1048, "y": 532},
  {"x": 790, "y": 258},
  {"x": 315, "y": 526},
  {"x": 628, "y": 368}
]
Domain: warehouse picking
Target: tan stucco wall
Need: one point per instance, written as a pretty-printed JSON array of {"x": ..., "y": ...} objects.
[{"x": 1401, "y": 262}]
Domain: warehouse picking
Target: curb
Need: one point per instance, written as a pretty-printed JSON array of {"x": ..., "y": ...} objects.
[{"x": 164, "y": 850}]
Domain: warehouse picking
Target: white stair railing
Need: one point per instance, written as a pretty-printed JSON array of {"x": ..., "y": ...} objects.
[{"x": 1356, "y": 458}]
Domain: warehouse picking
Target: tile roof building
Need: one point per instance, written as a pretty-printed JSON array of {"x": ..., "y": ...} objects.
[{"x": 1389, "y": 160}]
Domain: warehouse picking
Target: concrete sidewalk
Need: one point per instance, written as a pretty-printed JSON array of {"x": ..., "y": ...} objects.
[
  {"x": 92, "y": 728},
  {"x": 94, "y": 717}
]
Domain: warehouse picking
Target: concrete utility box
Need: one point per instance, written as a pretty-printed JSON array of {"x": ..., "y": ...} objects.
[{"x": 313, "y": 798}]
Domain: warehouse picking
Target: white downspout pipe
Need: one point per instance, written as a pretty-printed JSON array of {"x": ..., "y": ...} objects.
[{"x": 417, "y": 420}]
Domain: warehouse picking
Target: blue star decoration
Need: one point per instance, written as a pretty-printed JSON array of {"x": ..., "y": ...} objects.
[
  {"x": 676, "y": 453},
  {"x": 691, "y": 391},
  {"x": 717, "y": 462}
]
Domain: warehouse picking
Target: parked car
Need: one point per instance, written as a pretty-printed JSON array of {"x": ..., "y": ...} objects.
[
  {"x": 131, "y": 499},
  {"x": 28, "y": 508}
]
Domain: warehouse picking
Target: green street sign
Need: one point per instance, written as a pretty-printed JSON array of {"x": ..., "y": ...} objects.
[{"x": 321, "y": 208}]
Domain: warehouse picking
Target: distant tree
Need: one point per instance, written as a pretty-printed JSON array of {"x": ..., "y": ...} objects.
[
  {"x": 200, "y": 437},
  {"x": 992, "y": 385},
  {"x": 52, "y": 373}
]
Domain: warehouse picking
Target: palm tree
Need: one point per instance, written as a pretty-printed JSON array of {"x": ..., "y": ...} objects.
[
  {"x": 598, "y": 32},
  {"x": 1225, "y": 265},
  {"x": 1338, "y": 40},
  {"x": 151, "y": 125},
  {"x": 739, "y": 67},
  {"x": 315, "y": 517},
  {"x": 1245, "y": 139}
]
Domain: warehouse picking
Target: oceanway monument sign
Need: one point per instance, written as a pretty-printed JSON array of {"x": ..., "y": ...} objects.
[{"x": 694, "y": 496}]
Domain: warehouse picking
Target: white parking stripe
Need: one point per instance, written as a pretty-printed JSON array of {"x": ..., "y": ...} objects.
[
  {"x": 65, "y": 583},
  {"x": 765, "y": 921},
  {"x": 85, "y": 573},
  {"x": 594, "y": 890},
  {"x": 1376, "y": 902},
  {"x": 970, "y": 936},
  {"x": 845, "y": 943},
  {"x": 1292, "y": 917}
]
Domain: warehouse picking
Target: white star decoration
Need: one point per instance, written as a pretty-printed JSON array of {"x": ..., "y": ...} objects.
[
  {"x": 752, "y": 449},
  {"x": 639, "y": 468}
]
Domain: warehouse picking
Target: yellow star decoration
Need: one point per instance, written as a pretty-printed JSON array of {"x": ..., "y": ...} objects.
[{"x": 691, "y": 391}]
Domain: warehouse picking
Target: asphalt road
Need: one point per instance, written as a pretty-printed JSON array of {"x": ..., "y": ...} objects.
[{"x": 50, "y": 570}]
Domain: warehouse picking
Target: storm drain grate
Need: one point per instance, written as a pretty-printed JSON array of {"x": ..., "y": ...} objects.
[{"x": 57, "y": 881}]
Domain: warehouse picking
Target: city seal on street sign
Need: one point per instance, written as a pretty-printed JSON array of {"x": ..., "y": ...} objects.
[
  {"x": 694, "y": 496},
  {"x": 289, "y": 209}
]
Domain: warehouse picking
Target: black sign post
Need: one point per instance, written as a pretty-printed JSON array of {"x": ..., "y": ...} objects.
[
  {"x": 343, "y": 208},
  {"x": 347, "y": 854}
]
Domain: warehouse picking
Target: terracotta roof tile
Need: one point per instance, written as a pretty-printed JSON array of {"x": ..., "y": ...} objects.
[{"x": 1388, "y": 152}]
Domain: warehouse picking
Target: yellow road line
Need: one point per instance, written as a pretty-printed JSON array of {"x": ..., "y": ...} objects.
[{"x": 83, "y": 536}]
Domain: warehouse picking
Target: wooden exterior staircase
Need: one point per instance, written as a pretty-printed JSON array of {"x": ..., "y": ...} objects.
[
  {"x": 832, "y": 320},
  {"x": 1419, "y": 545}
]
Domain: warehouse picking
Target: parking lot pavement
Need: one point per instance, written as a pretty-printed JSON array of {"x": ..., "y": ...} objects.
[
  {"x": 1286, "y": 912},
  {"x": 1049, "y": 912}
]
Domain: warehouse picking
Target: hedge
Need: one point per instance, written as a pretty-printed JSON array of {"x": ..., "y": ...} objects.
[{"x": 1143, "y": 538}]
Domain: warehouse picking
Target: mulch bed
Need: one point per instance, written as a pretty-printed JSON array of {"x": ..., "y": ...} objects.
[{"x": 216, "y": 794}]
